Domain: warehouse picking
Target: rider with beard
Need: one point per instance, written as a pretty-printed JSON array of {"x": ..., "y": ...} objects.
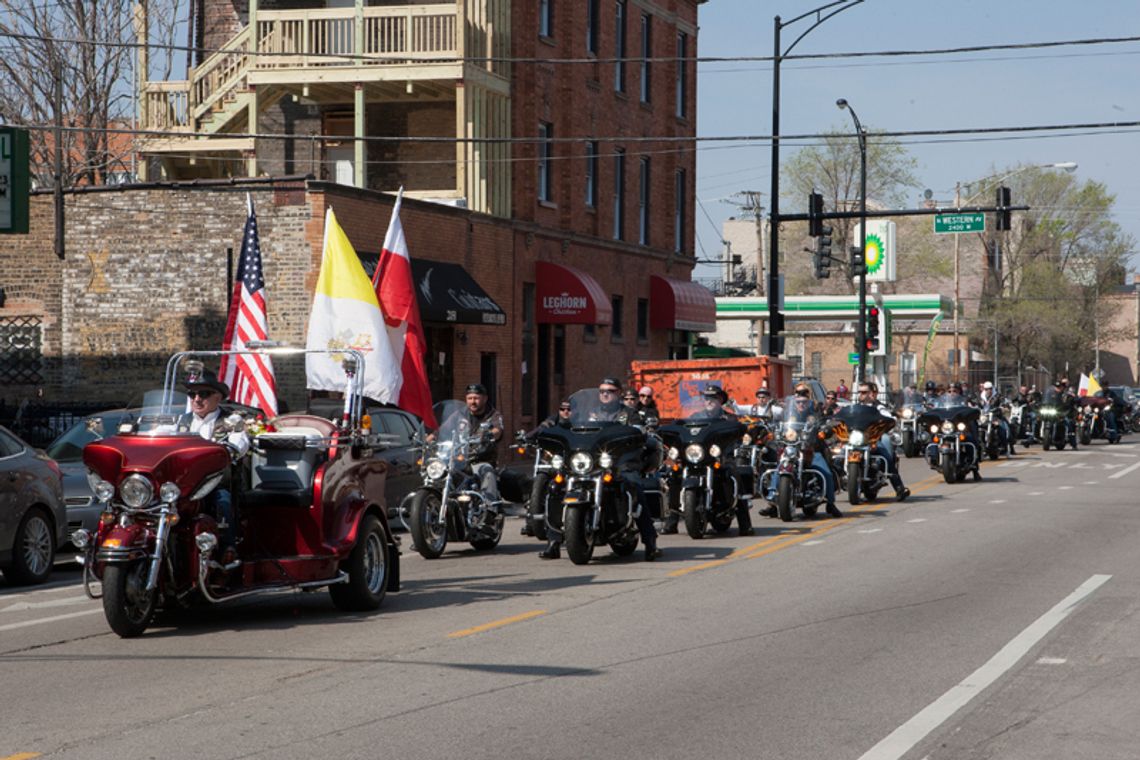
[
  {"x": 611, "y": 409},
  {"x": 488, "y": 422}
]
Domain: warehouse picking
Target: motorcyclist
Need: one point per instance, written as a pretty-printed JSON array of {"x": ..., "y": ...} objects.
[
  {"x": 1110, "y": 417},
  {"x": 646, "y": 404},
  {"x": 714, "y": 398},
  {"x": 487, "y": 422},
  {"x": 1028, "y": 399},
  {"x": 830, "y": 405},
  {"x": 868, "y": 396},
  {"x": 955, "y": 397},
  {"x": 931, "y": 393},
  {"x": 1059, "y": 396},
  {"x": 805, "y": 406},
  {"x": 765, "y": 407},
  {"x": 990, "y": 400}
]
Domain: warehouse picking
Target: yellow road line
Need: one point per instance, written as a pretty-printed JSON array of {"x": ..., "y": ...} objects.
[
  {"x": 489, "y": 626},
  {"x": 21, "y": 756}
]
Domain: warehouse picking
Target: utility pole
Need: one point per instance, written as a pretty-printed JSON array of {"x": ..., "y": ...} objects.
[{"x": 57, "y": 168}]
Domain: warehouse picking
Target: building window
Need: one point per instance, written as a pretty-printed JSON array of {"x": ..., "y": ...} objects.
[
  {"x": 619, "y": 194},
  {"x": 679, "y": 211},
  {"x": 643, "y": 201},
  {"x": 816, "y": 364},
  {"x": 646, "y": 53},
  {"x": 589, "y": 333},
  {"x": 908, "y": 370},
  {"x": 643, "y": 320},
  {"x": 619, "y": 47},
  {"x": 528, "y": 366},
  {"x": 559, "y": 355},
  {"x": 545, "y": 157},
  {"x": 616, "y": 327},
  {"x": 592, "y": 174},
  {"x": 546, "y": 18},
  {"x": 592, "y": 26},
  {"x": 797, "y": 364},
  {"x": 682, "y": 73}
]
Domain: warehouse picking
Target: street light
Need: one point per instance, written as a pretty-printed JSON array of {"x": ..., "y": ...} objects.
[
  {"x": 860, "y": 338},
  {"x": 1068, "y": 166}
]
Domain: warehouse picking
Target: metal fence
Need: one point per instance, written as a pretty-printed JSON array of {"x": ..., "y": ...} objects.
[{"x": 41, "y": 423}]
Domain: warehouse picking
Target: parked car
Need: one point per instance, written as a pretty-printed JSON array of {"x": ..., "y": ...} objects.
[
  {"x": 67, "y": 451},
  {"x": 32, "y": 517}
]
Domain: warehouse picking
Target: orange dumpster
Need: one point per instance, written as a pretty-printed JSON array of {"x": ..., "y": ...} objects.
[{"x": 677, "y": 384}]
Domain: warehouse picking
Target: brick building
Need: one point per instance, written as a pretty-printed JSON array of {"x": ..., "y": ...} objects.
[{"x": 567, "y": 259}]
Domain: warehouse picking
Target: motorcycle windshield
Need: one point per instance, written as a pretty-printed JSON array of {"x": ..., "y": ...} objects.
[
  {"x": 588, "y": 409},
  {"x": 800, "y": 419},
  {"x": 949, "y": 401},
  {"x": 161, "y": 414},
  {"x": 863, "y": 416}
]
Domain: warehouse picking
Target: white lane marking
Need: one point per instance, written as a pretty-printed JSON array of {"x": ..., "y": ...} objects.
[
  {"x": 1118, "y": 454},
  {"x": 1051, "y": 661},
  {"x": 23, "y": 606},
  {"x": 870, "y": 530},
  {"x": 1051, "y": 465},
  {"x": 1036, "y": 493},
  {"x": 26, "y": 623},
  {"x": 959, "y": 511},
  {"x": 1064, "y": 488},
  {"x": 812, "y": 543},
  {"x": 997, "y": 501},
  {"x": 1080, "y": 466},
  {"x": 905, "y": 737},
  {"x": 1091, "y": 482},
  {"x": 1125, "y": 471},
  {"x": 917, "y": 520},
  {"x": 1111, "y": 465}
]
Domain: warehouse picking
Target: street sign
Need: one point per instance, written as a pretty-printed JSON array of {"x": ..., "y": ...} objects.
[
  {"x": 13, "y": 180},
  {"x": 948, "y": 223},
  {"x": 853, "y": 358}
]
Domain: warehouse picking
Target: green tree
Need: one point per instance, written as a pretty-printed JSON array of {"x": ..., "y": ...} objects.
[{"x": 833, "y": 168}]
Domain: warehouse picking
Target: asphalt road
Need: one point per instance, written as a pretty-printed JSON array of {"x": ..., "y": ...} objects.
[{"x": 979, "y": 620}]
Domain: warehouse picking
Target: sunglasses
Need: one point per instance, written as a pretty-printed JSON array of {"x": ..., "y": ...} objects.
[
  {"x": 644, "y": 395},
  {"x": 563, "y": 408},
  {"x": 607, "y": 390},
  {"x": 200, "y": 394}
]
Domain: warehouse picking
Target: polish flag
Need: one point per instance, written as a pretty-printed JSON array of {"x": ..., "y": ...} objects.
[{"x": 396, "y": 292}]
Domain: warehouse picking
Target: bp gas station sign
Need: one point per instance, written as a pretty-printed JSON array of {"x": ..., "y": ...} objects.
[
  {"x": 880, "y": 254},
  {"x": 13, "y": 180}
]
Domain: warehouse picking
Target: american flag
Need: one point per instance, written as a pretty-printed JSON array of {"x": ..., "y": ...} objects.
[{"x": 250, "y": 377}]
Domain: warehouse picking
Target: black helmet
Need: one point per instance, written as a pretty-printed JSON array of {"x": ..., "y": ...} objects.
[
  {"x": 930, "y": 385},
  {"x": 477, "y": 388}
]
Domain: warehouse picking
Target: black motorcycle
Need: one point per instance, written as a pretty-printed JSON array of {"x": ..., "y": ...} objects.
[
  {"x": 860, "y": 426},
  {"x": 1055, "y": 427},
  {"x": 596, "y": 461},
  {"x": 993, "y": 442},
  {"x": 450, "y": 505},
  {"x": 953, "y": 450},
  {"x": 701, "y": 469},
  {"x": 794, "y": 483}
]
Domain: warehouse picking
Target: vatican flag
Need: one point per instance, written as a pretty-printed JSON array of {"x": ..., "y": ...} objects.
[{"x": 346, "y": 314}]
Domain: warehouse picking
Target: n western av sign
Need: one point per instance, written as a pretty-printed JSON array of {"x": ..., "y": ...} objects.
[
  {"x": 944, "y": 223},
  {"x": 13, "y": 180}
]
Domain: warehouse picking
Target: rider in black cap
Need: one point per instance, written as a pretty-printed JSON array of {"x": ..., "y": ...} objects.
[{"x": 484, "y": 418}]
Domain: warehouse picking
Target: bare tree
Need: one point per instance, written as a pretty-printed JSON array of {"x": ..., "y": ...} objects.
[{"x": 89, "y": 44}]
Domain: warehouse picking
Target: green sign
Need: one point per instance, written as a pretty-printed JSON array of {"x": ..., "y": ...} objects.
[
  {"x": 13, "y": 180},
  {"x": 944, "y": 223},
  {"x": 853, "y": 358}
]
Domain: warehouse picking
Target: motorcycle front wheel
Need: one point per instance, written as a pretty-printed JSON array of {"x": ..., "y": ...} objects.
[
  {"x": 909, "y": 447},
  {"x": 127, "y": 604},
  {"x": 579, "y": 545},
  {"x": 536, "y": 507},
  {"x": 853, "y": 483},
  {"x": 694, "y": 515},
  {"x": 428, "y": 535},
  {"x": 949, "y": 470},
  {"x": 785, "y": 499}
]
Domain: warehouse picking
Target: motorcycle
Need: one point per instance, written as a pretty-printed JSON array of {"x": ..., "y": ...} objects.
[
  {"x": 952, "y": 450},
  {"x": 989, "y": 429},
  {"x": 1094, "y": 420},
  {"x": 1022, "y": 423},
  {"x": 913, "y": 436},
  {"x": 308, "y": 500},
  {"x": 1054, "y": 431},
  {"x": 793, "y": 484},
  {"x": 701, "y": 467},
  {"x": 450, "y": 504},
  {"x": 544, "y": 487},
  {"x": 593, "y": 461},
  {"x": 859, "y": 427}
]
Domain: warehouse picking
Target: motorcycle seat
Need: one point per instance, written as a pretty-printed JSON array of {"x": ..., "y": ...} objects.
[
  {"x": 288, "y": 498},
  {"x": 282, "y": 466}
]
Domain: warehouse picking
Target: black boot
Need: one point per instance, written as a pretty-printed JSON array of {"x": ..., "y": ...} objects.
[
  {"x": 669, "y": 527},
  {"x": 768, "y": 512},
  {"x": 552, "y": 551},
  {"x": 833, "y": 510},
  {"x": 652, "y": 553}
]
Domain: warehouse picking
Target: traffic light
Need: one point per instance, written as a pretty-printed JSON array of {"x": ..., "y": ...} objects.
[
  {"x": 822, "y": 256},
  {"x": 815, "y": 214},
  {"x": 871, "y": 334},
  {"x": 858, "y": 261},
  {"x": 1003, "y": 203}
]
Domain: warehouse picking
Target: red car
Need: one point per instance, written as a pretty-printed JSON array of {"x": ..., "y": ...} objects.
[{"x": 308, "y": 502}]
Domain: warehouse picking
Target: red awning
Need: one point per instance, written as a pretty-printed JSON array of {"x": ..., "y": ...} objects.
[
  {"x": 680, "y": 305},
  {"x": 569, "y": 296}
]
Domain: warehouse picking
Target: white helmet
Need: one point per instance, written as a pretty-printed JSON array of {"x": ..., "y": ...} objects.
[{"x": 987, "y": 385}]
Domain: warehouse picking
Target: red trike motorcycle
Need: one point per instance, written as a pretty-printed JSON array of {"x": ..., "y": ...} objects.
[{"x": 308, "y": 503}]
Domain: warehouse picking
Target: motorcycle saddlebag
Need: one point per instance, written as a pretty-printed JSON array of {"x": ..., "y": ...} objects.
[{"x": 515, "y": 485}]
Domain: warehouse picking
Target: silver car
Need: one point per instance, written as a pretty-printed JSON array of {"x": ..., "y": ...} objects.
[
  {"x": 32, "y": 517},
  {"x": 67, "y": 451}
]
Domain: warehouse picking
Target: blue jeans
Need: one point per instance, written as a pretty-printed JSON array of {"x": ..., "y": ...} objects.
[
  {"x": 222, "y": 502},
  {"x": 819, "y": 464},
  {"x": 886, "y": 449}
]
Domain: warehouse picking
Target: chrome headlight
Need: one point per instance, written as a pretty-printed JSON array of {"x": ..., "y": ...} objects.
[
  {"x": 908, "y": 413},
  {"x": 791, "y": 435},
  {"x": 169, "y": 492},
  {"x": 747, "y": 439},
  {"x": 581, "y": 463},
  {"x": 136, "y": 491},
  {"x": 557, "y": 461},
  {"x": 674, "y": 453},
  {"x": 714, "y": 450},
  {"x": 436, "y": 469},
  {"x": 605, "y": 460},
  {"x": 694, "y": 452},
  {"x": 81, "y": 539},
  {"x": 961, "y": 426},
  {"x": 856, "y": 438},
  {"x": 947, "y": 427},
  {"x": 933, "y": 428}
]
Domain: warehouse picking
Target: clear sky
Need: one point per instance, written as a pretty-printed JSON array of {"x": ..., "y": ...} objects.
[{"x": 1072, "y": 84}]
